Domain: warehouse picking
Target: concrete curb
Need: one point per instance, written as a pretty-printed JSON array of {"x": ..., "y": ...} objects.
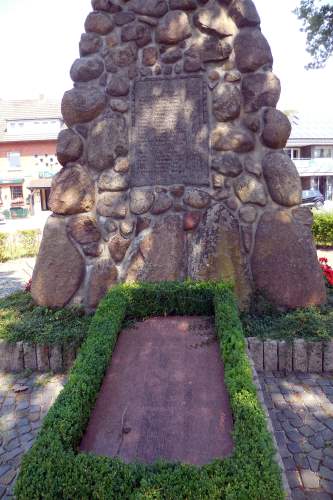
[
  {"x": 300, "y": 356},
  {"x": 20, "y": 356},
  {"x": 277, "y": 457}
]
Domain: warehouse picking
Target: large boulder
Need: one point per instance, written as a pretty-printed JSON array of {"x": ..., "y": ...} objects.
[
  {"x": 214, "y": 253},
  {"x": 59, "y": 268},
  {"x": 284, "y": 263},
  {"x": 103, "y": 276},
  {"x": 82, "y": 105},
  {"x": 251, "y": 50}
]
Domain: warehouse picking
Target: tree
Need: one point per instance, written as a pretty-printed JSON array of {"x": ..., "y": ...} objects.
[{"x": 317, "y": 19}]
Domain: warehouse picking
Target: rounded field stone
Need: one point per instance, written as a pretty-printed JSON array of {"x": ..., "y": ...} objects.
[
  {"x": 174, "y": 28},
  {"x": 227, "y": 164},
  {"x": 86, "y": 69},
  {"x": 227, "y": 137},
  {"x": 250, "y": 190},
  {"x": 98, "y": 22},
  {"x": 83, "y": 229},
  {"x": 121, "y": 165},
  {"x": 122, "y": 56},
  {"x": 191, "y": 220},
  {"x": 182, "y": 4},
  {"x": 106, "y": 5},
  {"x": 59, "y": 268},
  {"x": 138, "y": 32},
  {"x": 90, "y": 43},
  {"x": 282, "y": 179},
  {"x": 113, "y": 182},
  {"x": 122, "y": 18},
  {"x": 277, "y": 129},
  {"x": 284, "y": 262},
  {"x": 251, "y": 50},
  {"x": 112, "y": 204},
  {"x": 196, "y": 198},
  {"x": 141, "y": 201},
  {"x": 244, "y": 13},
  {"x": 118, "y": 247},
  {"x": 260, "y": 89},
  {"x": 107, "y": 141},
  {"x": 72, "y": 192},
  {"x": 118, "y": 86},
  {"x": 82, "y": 105},
  {"x": 69, "y": 146},
  {"x": 154, "y": 8},
  {"x": 161, "y": 204},
  {"x": 119, "y": 105},
  {"x": 214, "y": 21},
  {"x": 227, "y": 103},
  {"x": 149, "y": 56}
]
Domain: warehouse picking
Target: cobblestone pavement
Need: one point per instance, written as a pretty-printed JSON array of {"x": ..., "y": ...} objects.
[
  {"x": 24, "y": 401},
  {"x": 14, "y": 274},
  {"x": 301, "y": 409}
]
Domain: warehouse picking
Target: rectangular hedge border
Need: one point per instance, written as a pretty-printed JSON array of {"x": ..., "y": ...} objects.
[{"x": 54, "y": 469}]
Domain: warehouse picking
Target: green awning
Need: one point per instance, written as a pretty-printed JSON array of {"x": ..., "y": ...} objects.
[{"x": 11, "y": 181}]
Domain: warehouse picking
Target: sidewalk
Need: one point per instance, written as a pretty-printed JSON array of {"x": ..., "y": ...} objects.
[{"x": 14, "y": 274}]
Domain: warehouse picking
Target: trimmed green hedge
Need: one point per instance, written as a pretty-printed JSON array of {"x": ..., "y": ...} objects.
[
  {"x": 53, "y": 468},
  {"x": 322, "y": 228}
]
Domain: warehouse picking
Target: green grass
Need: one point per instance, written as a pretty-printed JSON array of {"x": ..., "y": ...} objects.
[
  {"x": 54, "y": 469},
  {"x": 21, "y": 320},
  {"x": 266, "y": 322}
]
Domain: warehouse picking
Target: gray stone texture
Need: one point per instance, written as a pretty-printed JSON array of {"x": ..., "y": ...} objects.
[
  {"x": 271, "y": 355},
  {"x": 173, "y": 162}
]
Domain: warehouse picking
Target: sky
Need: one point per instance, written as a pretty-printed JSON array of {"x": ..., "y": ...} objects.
[{"x": 39, "y": 42}]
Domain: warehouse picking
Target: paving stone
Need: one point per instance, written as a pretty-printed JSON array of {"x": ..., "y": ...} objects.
[
  {"x": 294, "y": 448},
  {"x": 306, "y": 430},
  {"x": 301, "y": 460},
  {"x": 7, "y": 478},
  {"x": 316, "y": 454},
  {"x": 328, "y": 462},
  {"x": 310, "y": 479},
  {"x": 293, "y": 436},
  {"x": 327, "y": 485},
  {"x": 326, "y": 473},
  {"x": 289, "y": 463},
  {"x": 4, "y": 469},
  {"x": 328, "y": 451},
  {"x": 314, "y": 464},
  {"x": 294, "y": 479},
  {"x": 317, "y": 441},
  {"x": 298, "y": 494},
  {"x": 317, "y": 495},
  {"x": 280, "y": 438}
]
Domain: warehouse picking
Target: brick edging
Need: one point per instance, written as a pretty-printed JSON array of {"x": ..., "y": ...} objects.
[
  {"x": 20, "y": 356},
  {"x": 278, "y": 457},
  {"x": 302, "y": 356}
]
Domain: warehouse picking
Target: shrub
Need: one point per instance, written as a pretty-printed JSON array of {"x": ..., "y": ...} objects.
[
  {"x": 23, "y": 243},
  {"x": 322, "y": 228},
  {"x": 54, "y": 469}
]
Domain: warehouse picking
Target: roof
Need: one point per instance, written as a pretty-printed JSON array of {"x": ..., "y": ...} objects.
[
  {"x": 28, "y": 110},
  {"x": 311, "y": 130},
  {"x": 314, "y": 167}
]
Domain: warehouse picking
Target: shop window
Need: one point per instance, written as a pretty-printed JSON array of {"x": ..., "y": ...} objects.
[
  {"x": 14, "y": 161},
  {"x": 16, "y": 192}
]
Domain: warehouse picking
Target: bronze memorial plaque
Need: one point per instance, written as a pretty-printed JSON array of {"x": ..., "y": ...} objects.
[{"x": 169, "y": 132}]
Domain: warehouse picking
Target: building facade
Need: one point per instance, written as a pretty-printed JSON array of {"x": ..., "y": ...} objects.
[
  {"x": 311, "y": 148},
  {"x": 28, "y": 135}
]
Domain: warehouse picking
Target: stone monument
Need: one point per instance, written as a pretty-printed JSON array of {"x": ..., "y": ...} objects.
[{"x": 173, "y": 162}]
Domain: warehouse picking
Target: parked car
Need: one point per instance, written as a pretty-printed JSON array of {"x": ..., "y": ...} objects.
[
  {"x": 2, "y": 219},
  {"x": 312, "y": 198}
]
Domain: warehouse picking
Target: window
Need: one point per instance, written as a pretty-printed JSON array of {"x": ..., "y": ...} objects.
[
  {"x": 14, "y": 160},
  {"x": 293, "y": 153},
  {"x": 323, "y": 152},
  {"x": 16, "y": 192}
]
